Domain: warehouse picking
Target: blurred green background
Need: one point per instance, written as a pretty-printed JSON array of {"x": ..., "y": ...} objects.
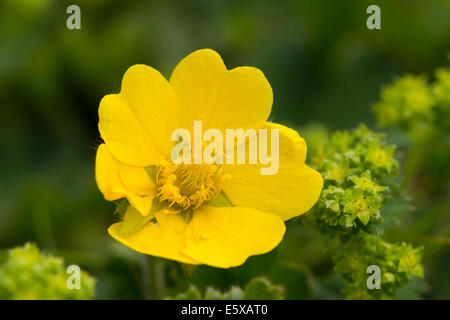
[{"x": 324, "y": 66}]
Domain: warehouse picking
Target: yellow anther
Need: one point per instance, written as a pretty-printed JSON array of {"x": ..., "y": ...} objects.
[
  {"x": 171, "y": 179},
  {"x": 185, "y": 186},
  {"x": 203, "y": 236}
]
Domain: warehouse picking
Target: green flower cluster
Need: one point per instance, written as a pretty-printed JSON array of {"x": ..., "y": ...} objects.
[
  {"x": 27, "y": 274},
  {"x": 426, "y": 122},
  {"x": 397, "y": 263},
  {"x": 440, "y": 90},
  {"x": 257, "y": 289},
  {"x": 411, "y": 103},
  {"x": 358, "y": 168},
  {"x": 359, "y": 172}
]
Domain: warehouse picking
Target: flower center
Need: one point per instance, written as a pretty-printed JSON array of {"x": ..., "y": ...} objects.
[
  {"x": 186, "y": 186},
  {"x": 360, "y": 205}
]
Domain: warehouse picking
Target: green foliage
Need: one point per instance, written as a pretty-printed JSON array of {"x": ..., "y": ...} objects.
[
  {"x": 440, "y": 91},
  {"x": 398, "y": 263},
  {"x": 26, "y": 274},
  {"x": 407, "y": 100},
  {"x": 358, "y": 170},
  {"x": 191, "y": 294},
  {"x": 261, "y": 288},
  {"x": 426, "y": 121},
  {"x": 422, "y": 133},
  {"x": 258, "y": 288},
  {"x": 411, "y": 103}
]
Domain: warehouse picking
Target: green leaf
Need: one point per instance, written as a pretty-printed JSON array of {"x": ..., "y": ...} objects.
[
  {"x": 364, "y": 217},
  {"x": 122, "y": 207},
  {"x": 156, "y": 206},
  {"x": 235, "y": 293},
  {"x": 294, "y": 278},
  {"x": 221, "y": 200},
  {"x": 261, "y": 289},
  {"x": 191, "y": 294},
  {"x": 388, "y": 277},
  {"x": 333, "y": 205},
  {"x": 213, "y": 294}
]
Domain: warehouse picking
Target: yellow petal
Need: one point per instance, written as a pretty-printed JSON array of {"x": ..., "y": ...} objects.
[
  {"x": 136, "y": 180},
  {"x": 117, "y": 180},
  {"x": 107, "y": 175},
  {"x": 137, "y": 123},
  {"x": 221, "y": 98},
  {"x": 293, "y": 190},
  {"x": 226, "y": 236},
  {"x": 162, "y": 239},
  {"x": 142, "y": 203}
]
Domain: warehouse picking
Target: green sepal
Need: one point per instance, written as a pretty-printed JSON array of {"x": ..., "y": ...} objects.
[
  {"x": 221, "y": 200},
  {"x": 133, "y": 220},
  {"x": 151, "y": 171}
]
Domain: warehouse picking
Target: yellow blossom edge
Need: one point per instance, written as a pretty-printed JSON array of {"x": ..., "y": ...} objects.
[
  {"x": 137, "y": 123},
  {"x": 161, "y": 239},
  {"x": 117, "y": 180},
  {"x": 206, "y": 90},
  {"x": 222, "y": 237},
  {"x": 291, "y": 192}
]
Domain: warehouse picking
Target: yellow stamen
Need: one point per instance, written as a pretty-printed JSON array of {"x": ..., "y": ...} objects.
[{"x": 185, "y": 186}]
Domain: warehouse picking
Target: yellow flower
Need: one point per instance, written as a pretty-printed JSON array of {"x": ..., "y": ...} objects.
[{"x": 211, "y": 214}]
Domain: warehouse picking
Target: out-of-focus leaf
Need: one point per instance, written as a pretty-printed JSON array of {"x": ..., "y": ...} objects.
[{"x": 261, "y": 289}]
